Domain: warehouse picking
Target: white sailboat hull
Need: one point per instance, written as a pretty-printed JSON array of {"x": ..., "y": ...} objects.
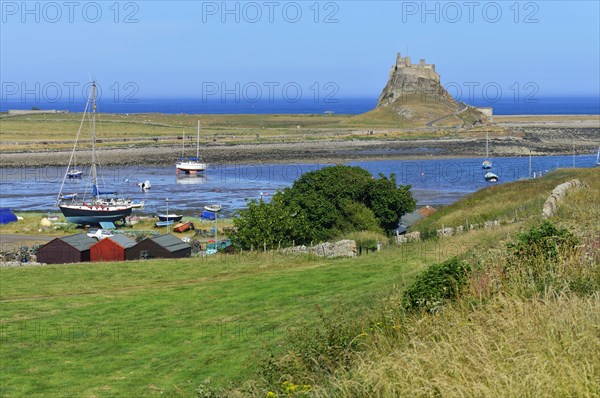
[{"x": 189, "y": 167}]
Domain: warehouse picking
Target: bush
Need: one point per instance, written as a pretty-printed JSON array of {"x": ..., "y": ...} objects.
[
  {"x": 542, "y": 256},
  {"x": 544, "y": 242},
  {"x": 438, "y": 284},
  {"x": 321, "y": 205}
]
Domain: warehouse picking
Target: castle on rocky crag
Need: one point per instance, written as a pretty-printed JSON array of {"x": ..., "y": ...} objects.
[
  {"x": 407, "y": 79},
  {"x": 423, "y": 70}
]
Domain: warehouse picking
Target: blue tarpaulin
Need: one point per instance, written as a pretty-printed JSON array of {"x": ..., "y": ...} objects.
[
  {"x": 97, "y": 192},
  {"x": 208, "y": 215},
  {"x": 7, "y": 216}
]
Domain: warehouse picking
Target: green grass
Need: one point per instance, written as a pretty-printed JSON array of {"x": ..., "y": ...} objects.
[
  {"x": 56, "y": 131},
  {"x": 48, "y": 131},
  {"x": 167, "y": 315}
]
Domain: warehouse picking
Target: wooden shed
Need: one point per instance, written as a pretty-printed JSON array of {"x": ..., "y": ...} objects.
[
  {"x": 161, "y": 246},
  {"x": 113, "y": 248},
  {"x": 66, "y": 249}
]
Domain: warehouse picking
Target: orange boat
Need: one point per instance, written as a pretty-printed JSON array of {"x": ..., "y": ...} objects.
[{"x": 182, "y": 227}]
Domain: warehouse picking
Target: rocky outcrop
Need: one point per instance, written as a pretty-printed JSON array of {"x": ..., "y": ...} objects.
[
  {"x": 342, "y": 248},
  {"x": 415, "y": 96},
  {"x": 407, "y": 80},
  {"x": 551, "y": 205}
]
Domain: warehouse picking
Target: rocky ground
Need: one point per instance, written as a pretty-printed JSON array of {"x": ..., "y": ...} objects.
[{"x": 515, "y": 142}]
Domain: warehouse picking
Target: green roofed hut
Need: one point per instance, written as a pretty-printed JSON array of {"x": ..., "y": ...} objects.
[
  {"x": 161, "y": 246},
  {"x": 66, "y": 249}
]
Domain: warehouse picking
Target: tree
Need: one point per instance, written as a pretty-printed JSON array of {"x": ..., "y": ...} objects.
[
  {"x": 323, "y": 204},
  {"x": 388, "y": 201}
]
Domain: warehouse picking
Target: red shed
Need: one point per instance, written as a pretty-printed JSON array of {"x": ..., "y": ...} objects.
[{"x": 113, "y": 248}]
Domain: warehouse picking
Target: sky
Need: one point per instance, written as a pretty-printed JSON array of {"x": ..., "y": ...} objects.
[{"x": 193, "y": 49}]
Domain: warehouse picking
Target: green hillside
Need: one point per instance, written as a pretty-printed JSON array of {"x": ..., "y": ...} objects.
[{"x": 162, "y": 327}]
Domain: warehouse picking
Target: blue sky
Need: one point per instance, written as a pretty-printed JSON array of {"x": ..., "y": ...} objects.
[{"x": 177, "y": 49}]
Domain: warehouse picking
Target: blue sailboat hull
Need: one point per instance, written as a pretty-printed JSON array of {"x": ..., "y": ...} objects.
[{"x": 94, "y": 217}]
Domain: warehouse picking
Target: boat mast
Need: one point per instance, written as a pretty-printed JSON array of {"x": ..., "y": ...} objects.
[
  {"x": 198, "y": 142},
  {"x": 529, "y": 163},
  {"x": 487, "y": 145},
  {"x": 96, "y": 192},
  {"x": 183, "y": 146}
]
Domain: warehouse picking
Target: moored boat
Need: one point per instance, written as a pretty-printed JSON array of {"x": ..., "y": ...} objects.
[
  {"x": 91, "y": 209},
  {"x": 491, "y": 177},
  {"x": 74, "y": 173},
  {"x": 486, "y": 165},
  {"x": 191, "y": 165}
]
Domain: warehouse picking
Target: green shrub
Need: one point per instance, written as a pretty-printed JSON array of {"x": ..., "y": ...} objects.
[
  {"x": 438, "y": 284},
  {"x": 544, "y": 242},
  {"x": 543, "y": 256}
]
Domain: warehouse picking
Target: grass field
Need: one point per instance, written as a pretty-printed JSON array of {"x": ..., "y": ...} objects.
[
  {"x": 137, "y": 328},
  {"x": 57, "y": 131},
  {"x": 161, "y": 327}
]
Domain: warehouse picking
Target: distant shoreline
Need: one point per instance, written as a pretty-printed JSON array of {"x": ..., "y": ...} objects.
[
  {"x": 510, "y": 136},
  {"x": 319, "y": 151}
]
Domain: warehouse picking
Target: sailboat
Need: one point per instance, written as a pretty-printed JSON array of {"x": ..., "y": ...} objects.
[
  {"x": 486, "y": 163},
  {"x": 74, "y": 172},
  {"x": 191, "y": 165},
  {"x": 598, "y": 157},
  {"x": 92, "y": 210}
]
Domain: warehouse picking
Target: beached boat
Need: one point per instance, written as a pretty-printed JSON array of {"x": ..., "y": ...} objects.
[
  {"x": 213, "y": 208},
  {"x": 182, "y": 227},
  {"x": 164, "y": 223},
  {"x": 191, "y": 165},
  {"x": 91, "y": 208},
  {"x": 491, "y": 177},
  {"x": 170, "y": 217}
]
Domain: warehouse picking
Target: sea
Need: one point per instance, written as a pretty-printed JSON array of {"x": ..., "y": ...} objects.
[
  {"x": 538, "y": 106},
  {"x": 435, "y": 182}
]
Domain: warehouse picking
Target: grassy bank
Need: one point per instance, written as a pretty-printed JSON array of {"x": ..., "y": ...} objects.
[{"x": 522, "y": 322}]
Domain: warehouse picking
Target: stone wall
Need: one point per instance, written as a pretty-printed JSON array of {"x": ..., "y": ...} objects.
[
  {"x": 342, "y": 248},
  {"x": 551, "y": 205}
]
